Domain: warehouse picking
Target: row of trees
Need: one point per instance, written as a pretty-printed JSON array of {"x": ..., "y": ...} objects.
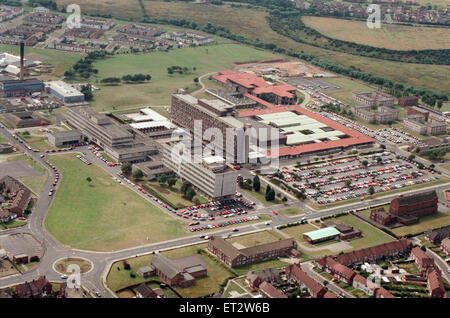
[
  {"x": 396, "y": 88},
  {"x": 84, "y": 66},
  {"x": 179, "y": 69}
]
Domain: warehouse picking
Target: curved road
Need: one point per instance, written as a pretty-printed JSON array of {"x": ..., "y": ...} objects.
[{"x": 94, "y": 280}]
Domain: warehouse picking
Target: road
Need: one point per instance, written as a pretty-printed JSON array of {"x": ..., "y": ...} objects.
[{"x": 102, "y": 260}]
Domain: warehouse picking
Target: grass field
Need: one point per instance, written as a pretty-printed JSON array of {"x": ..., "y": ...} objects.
[
  {"x": 158, "y": 92},
  {"x": 35, "y": 183},
  {"x": 425, "y": 223},
  {"x": 261, "y": 196},
  {"x": 252, "y": 24},
  {"x": 118, "y": 278},
  {"x": 40, "y": 143},
  {"x": 103, "y": 215},
  {"x": 233, "y": 288},
  {"x": 291, "y": 211},
  {"x": 174, "y": 194},
  {"x": 371, "y": 236},
  {"x": 346, "y": 87},
  {"x": 60, "y": 60},
  {"x": 389, "y": 36}
]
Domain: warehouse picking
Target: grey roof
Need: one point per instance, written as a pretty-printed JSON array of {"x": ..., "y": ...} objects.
[{"x": 165, "y": 265}]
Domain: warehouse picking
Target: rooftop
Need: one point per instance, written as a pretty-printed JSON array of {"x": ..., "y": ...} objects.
[{"x": 322, "y": 233}]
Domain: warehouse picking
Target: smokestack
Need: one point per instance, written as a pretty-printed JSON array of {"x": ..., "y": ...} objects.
[{"x": 22, "y": 56}]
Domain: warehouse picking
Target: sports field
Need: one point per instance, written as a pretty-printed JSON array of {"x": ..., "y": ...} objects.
[
  {"x": 158, "y": 91},
  {"x": 389, "y": 36},
  {"x": 103, "y": 215}
]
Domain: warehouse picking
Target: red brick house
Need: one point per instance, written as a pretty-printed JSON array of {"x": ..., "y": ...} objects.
[
  {"x": 423, "y": 261},
  {"x": 408, "y": 101},
  {"x": 254, "y": 279},
  {"x": 445, "y": 246},
  {"x": 435, "y": 285},
  {"x": 372, "y": 254},
  {"x": 383, "y": 293},
  {"x": 382, "y": 217},
  {"x": 267, "y": 290},
  {"x": 35, "y": 288},
  {"x": 339, "y": 271},
  {"x": 437, "y": 235},
  {"x": 294, "y": 272}
]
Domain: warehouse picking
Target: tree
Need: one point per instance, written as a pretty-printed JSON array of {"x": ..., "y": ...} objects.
[
  {"x": 371, "y": 190},
  {"x": 138, "y": 174},
  {"x": 89, "y": 179},
  {"x": 162, "y": 179},
  {"x": 348, "y": 183},
  {"x": 190, "y": 194},
  {"x": 256, "y": 184},
  {"x": 365, "y": 163},
  {"x": 185, "y": 186},
  {"x": 171, "y": 182},
  {"x": 126, "y": 168},
  {"x": 270, "y": 195}
]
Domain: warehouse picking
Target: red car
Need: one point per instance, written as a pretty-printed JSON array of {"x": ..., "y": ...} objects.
[{"x": 275, "y": 212}]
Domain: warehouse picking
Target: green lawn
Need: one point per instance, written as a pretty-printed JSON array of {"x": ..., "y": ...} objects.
[
  {"x": 60, "y": 60},
  {"x": 291, "y": 212},
  {"x": 158, "y": 92},
  {"x": 233, "y": 287},
  {"x": 425, "y": 223},
  {"x": 257, "y": 238},
  {"x": 40, "y": 143},
  {"x": 103, "y": 215},
  {"x": 261, "y": 196},
  {"x": 174, "y": 194},
  {"x": 371, "y": 237}
]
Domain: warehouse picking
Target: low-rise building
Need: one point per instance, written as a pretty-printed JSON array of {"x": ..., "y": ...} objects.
[
  {"x": 373, "y": 99},
  {"x": 436, "y": 236},
  {"x": 36, "y": 288},
  {"x": 255, "y": 278},
  {"x": 65, "y": 92},
  {"x": 65, "y": 138},
  {"x": 336, "y": 269},
  {"x": 408, "y": 101},
  {"x": 423, "y": 261},
  {"x": 325, "y": 234},
  {"x": 361, "y": 283},
  {"x": 26, "y": 119},
  {"x": 294, "y": 272},
  {"x": 235, "y": 257},
  {"x": 435, "y": 284},
  {"x": 267, "y": 290},
  {"x": 445, "y": 246},
  {"x": 143, "y": 291},
  {"x": 180, "y": 272}
]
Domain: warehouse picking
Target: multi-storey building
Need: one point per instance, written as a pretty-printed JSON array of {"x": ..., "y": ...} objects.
[
  {"x": 118, "y": 142},
  {"x": 210, "y": 174},
  {"x": 373, "y": 99}
]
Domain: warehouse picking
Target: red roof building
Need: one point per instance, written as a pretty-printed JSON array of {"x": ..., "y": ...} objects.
[
  {"x": 267, "y": 290},
  {"x": 294, "y": 272},
  {"x": 423, "y": 261},
  {"x": 372, "y": 254},
  {"x": 247, "y": 83},
  {"x": 383, "y": 293},
  {"x": 339, "y": 271},
  {"x": 435, "y": 285}
]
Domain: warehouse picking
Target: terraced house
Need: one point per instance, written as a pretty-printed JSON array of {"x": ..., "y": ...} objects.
[{"x": 19, "y": 196}]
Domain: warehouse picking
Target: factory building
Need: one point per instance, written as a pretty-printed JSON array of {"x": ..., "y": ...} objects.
[{"x": 65, "y": 92}]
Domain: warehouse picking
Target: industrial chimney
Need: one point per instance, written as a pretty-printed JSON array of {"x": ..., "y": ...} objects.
[{"x": 22, "y": 56}]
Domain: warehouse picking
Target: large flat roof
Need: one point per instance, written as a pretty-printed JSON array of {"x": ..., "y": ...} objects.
[
  {"x": 322, "y": 233},
  {"x": 352, "y": 138}
]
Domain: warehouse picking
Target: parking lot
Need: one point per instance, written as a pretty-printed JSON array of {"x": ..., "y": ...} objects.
[
  {"x": 392, "y": 135},
  {"x": 345, "y": 179}
]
